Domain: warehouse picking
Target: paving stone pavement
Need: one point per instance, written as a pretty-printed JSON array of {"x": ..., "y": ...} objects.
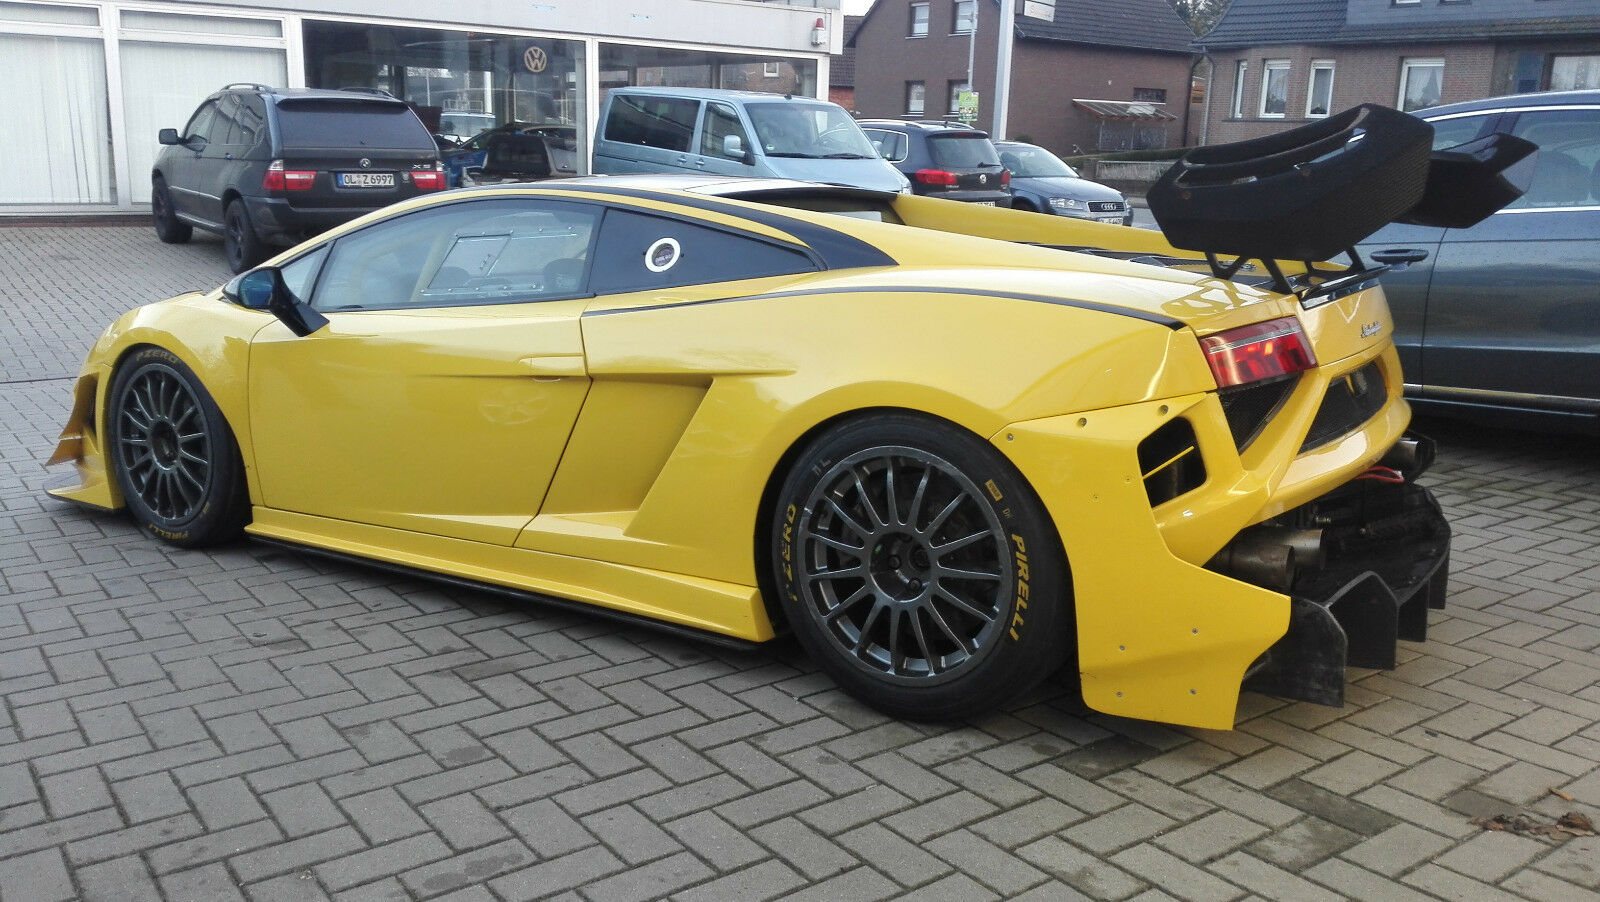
[{"x": 251, "y": 723}]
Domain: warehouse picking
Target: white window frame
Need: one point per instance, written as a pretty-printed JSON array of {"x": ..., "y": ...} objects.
[
  {"x": 956, "y": 87},
  {"x": 1407, "y": 65},
  {"x": 955, "y": 17},
  {"x": 771, "y": 69},
  {"x": 1241, "y": 69},
  {"x": 1311, "y": 89},
  {"x": 921, "y": 14},
  {"x": 921, "y": 95},
  {"x": 1267, "y": 68}
]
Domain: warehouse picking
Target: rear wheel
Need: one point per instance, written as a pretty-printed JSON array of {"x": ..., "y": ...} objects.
[
  {"x": 173, "y": 455},
  {"x": 239, "y": 238},
  {"x": 169, "y": 228},
  {"x": 919, "y": 569}
]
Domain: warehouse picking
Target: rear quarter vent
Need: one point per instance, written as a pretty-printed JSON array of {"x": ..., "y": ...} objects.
[{"x": 1169, "y": 460}]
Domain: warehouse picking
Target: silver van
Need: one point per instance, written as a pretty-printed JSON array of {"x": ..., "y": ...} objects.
[{"x": 738, "y": 133}]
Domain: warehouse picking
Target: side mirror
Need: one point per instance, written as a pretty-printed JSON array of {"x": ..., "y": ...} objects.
[
  {"x": 733, "y": 148},
  {"x": 169, "y": 136},
  {"x": 264, "y": 289}
]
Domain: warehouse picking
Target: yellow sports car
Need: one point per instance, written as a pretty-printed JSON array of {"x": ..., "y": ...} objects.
[{"x": 946, "y": 453}]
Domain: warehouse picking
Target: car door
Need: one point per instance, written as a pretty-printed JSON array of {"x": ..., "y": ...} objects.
[
  {"x": 185, "y": 171},
  {"x": 718, "y": 122},
  {"x": 1407, "y": 289},
  {"x": 1514, "y": 307},
  {"x": 441, "y": 393}
]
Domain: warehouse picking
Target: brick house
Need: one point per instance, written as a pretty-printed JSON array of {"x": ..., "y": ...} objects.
[
  {"x": 1086, "y": 74},
  {"x": 842, "y": 68},
  {"x": 1280, "y": 63}
]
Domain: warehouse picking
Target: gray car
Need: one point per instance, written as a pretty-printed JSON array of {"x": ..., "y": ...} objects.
[
  {"x": 1501, "y": 322},
  {"x": 1042, "y": 182}
]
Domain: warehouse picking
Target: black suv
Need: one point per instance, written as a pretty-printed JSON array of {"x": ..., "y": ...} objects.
[
  {"x": 952, "y": 162},
  {"x": 266, "y": 167}
]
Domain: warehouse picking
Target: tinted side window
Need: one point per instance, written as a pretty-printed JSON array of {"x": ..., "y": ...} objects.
[
  {"x": 319, "y": 124},
  {"x": 1460, "y": 130},
  {"x": 1566, "y": 170},
  {"x": 958, "y": 151},
  {"x": 644, "y": 252},
  {"x": 478, "y": 252},
  {"x": 203, "y": 123},
  {"x": 239, "y": 122},
  {"x": 664, "y": 122},
  {"x": 720, "y": 121},
  {"x": 889, "y": 145}
]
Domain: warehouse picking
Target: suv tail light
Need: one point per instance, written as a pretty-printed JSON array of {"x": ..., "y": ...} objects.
[
  {"x": 280, "y": 179},
  {"x": 1277, "y": 347},
  {"x": 429, "y": 180},
  {"x": 935, "y": 177},
  {"x": 1005, "y": 177}
]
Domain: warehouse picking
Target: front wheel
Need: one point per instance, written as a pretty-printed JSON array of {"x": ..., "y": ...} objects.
[
  {"x": 919, "y": 569},
  {"x": 174, "y": 456},
  {"x": 169, "y": 228},
  {"x": 239, "y": 240}
]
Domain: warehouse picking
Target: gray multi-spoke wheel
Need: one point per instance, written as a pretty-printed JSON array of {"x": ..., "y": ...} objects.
[
  {"x": 918, "y": 568},
  {"x": 174, "y": 457}
]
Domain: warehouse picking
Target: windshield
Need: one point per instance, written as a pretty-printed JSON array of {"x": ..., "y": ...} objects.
[
  {"x": 967, "y": 151},
  {"x": 808, "y": 130},
  {"x": 1027, "y": 162}
]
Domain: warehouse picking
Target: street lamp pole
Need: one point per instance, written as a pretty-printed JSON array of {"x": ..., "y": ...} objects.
[{"x": 1004, "y": 35}]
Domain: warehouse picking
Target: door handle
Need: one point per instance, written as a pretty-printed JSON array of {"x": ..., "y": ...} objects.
[
  {"x": 1398, "y": 259},
  {"x": 683, "y": 158}
]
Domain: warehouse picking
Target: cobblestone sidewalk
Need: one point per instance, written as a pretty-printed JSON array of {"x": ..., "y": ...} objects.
[{"x": 258, "y": 724}]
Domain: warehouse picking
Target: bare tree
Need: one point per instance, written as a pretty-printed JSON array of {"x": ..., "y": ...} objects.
[{"x": 1200, "y": 14}]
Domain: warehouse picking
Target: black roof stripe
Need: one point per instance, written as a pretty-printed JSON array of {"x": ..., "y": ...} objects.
[
  {"x": 836, "y": 249},
  {"x": 1096, "y": 306}
]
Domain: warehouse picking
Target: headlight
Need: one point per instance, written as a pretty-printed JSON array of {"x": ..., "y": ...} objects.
[{"x": 1066, "y": 203}]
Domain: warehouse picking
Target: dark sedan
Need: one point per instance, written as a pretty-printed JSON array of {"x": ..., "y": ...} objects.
[
  {"x": 1043, "y": 183},
  {"x": 1502, "y": 321}
]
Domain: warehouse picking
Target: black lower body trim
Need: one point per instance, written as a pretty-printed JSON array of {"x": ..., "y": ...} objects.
[{"x": 551, "y": 601}]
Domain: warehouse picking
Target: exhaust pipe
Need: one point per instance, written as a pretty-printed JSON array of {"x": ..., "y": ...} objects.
[
  {"x": 1271, "y": 556},
  {"x": 1411, "y": 455}
]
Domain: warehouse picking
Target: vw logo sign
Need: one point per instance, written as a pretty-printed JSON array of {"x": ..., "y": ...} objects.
[
  {"x": 366, "y": 163},
  {"x": 983, "y": 180}
]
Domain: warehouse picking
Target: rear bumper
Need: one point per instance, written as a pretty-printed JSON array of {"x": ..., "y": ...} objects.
[
  {"x": 1384, "y": 561},
  {"x": 276, "y": 222}
]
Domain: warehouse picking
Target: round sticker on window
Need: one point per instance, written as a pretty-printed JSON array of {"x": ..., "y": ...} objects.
[{"x": 663, "y": 255}]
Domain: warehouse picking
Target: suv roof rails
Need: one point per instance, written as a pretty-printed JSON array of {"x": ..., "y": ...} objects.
[{"x": 250, "y": 84}]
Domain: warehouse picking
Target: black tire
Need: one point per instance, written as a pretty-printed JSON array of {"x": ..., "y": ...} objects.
[
  {"x": 169, "y": 228},
  {"x": 886, "y": 596},
  {"x": 172, "y": 453},
  {"x": 239, "y": 240},
  {"x": 1024, "y": 205}
]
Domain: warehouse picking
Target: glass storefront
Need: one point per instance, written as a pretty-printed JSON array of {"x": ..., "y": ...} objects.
[
  {"x": 460, "y": 83},
  {"x": 626, "y": 65}
]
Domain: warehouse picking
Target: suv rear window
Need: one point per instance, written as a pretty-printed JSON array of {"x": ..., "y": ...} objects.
[
  {"x": 317, "y": 124},
  {"x": 962, "y": 151}
]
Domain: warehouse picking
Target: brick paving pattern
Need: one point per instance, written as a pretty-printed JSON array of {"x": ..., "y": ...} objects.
[{"x": 251, "y": 723}]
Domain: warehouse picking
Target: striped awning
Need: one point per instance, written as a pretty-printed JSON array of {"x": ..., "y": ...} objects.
[{"x": 1131, "y": 110}]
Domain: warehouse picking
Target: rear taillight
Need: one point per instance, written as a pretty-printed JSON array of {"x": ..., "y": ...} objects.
[
  {"x": 1252, "y": 353},
  {"x": 280, "y": 179},
  {"x": 428, "y": 180},
  {"x": 1005, "y": 177},
  {"x": 935, "y": 177}
]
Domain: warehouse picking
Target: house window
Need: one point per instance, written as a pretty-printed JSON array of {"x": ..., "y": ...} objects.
[
  {"x": 1274, "y": 89},
  {"x": 1150, "y": 95},
  {"x": 1240, "y": 69},
  {"x": 1420, "y": 83},
  {"x": 956, "y": 87},
  {"x": 771, "y": 70},
  {"x": 1574, "y": 73},
  {"x": 965, "y": 16},
  {"x": 919, "y": 20},
  {"x": 1319, "y": 91},
  {"x": 1405, "y": 2},
  {"x": 915, "y": 92}
]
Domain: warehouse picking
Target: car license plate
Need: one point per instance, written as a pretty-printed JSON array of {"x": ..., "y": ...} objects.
[
  {"x": 984, "y": 203},
  {"x": 1110, "y": 219},
  {"x": 366, "y": 180}
]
